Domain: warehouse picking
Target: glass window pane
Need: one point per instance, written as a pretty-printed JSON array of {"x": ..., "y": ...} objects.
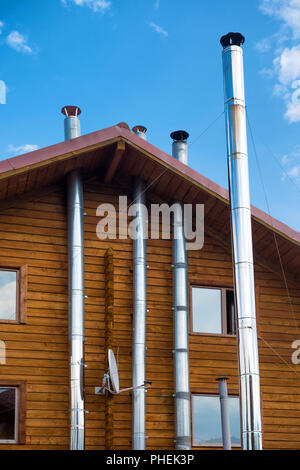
[
  {"x": 206, "y": 420},
  {"x": 8, "y": 295},
  {"x": 7, "y": 413},
  {"x": 235, "y": 422},
  {"x": 231, "y": 316},
  {"x": 207, "y": 427},
  {"x": 207, "y": 310}
]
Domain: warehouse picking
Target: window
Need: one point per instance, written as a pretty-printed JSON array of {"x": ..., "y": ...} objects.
[
  {"x": 9, "y": 415},
  {"x": 213, "y": 311},
  {"x": 230, "y": 313},
  {"x": 13, "y": 292},
  {"x": 207, "y": 426},
  {"x": 8, "y": 294},
  {"x": 12, "y": 412}
]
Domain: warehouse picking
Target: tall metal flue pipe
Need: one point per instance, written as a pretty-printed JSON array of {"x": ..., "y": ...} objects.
[
  {"x": 236, "y": 134},
  {"x": 75, "y": 211},
  {"x": 139, "y": 313},
  {"x": 181, "y": 312}
]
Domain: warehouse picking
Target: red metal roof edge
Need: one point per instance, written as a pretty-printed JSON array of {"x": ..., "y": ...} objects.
[
  {"x": 68, "y": 146},
  {"x": 113, "y": 132}
]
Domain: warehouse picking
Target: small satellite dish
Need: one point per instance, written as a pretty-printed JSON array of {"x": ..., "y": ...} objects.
[
  {"x": 110, "y": 380},
  {"x": 113, "y": 371}
]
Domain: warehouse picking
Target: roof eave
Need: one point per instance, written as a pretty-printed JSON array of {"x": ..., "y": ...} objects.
[{"x": 99, "y": 139}]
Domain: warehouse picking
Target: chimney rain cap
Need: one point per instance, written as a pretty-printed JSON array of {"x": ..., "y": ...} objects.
[
  {"x": 232, "y": 39},
  {"x": 179, "y": 135}
]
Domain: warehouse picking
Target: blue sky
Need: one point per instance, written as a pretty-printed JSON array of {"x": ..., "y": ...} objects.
[{"x": 157, "y": 63}]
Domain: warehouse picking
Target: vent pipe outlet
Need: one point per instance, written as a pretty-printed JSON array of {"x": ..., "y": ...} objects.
[
  {"x": 179, "y": 146},
  {"x": 140, "y": 131},
  {"x": 224, "y": 406},
  {"x": 235, "y": 112},
  {"x": 76, "y": 289},
  {"x": 181, "y": 313},
  {"x": 71, "y": 123}
]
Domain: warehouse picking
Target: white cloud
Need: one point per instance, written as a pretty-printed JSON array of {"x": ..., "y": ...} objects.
[
  {"x": 3, "y": 90},
  {"x": 18, "y": 42},
  {"x": 285, "y": 160},
  {"x": 287, "y": 11},
  {"x": 158, "y": 29},
  {"x": 291, "y": 165},
  {"x": 96, "y": 5},
  {"x": 286, "y": 64},
  {"x": 26, "y": 148},
  {"x": 264, "y": 45},
  {"x": 294, "y": 173},
  {"x": 267, "y": 73},
  {"x": 292, "y": 113},
  {"x": 1, "y": 26}
]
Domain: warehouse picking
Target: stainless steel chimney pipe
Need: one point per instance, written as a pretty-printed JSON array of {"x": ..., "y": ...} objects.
[
  {"x": 71, "y": 123},
  {"x": 139, "y": 317},
  {"x": 235, "y": 111},
  {"x": 76, "y": 293},
  {"x": 225, "y": 420},
  {"x": 140, "y": 131},
  {"x": 181, "y": 313}
]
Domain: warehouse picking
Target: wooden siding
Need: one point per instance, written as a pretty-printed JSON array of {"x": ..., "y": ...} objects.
[
  {"x": 37, "y": 352},
  {"x": 34, "y": 233}
]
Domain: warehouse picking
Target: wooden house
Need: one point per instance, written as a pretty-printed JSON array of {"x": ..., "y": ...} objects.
[{"x": 34, "y": 340}]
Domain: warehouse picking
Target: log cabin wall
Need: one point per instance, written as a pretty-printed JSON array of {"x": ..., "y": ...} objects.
[{"x": 33, "y": 233}]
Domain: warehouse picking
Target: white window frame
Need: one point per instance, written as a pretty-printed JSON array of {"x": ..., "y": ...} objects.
[{"x": 16, "y": 433}]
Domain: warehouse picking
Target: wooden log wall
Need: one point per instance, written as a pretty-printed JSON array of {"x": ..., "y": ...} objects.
[
  {"x": 35, "y": 234},
  {"x": 109, "y": 343}
]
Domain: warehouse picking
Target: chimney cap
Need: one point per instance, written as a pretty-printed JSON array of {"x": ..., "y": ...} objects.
[
  {"x": 136, "y": 129},
  {"x": 71, "y": 111},
  {"x": 232, "y": 39},
  {"x": 179, "y": 135}
]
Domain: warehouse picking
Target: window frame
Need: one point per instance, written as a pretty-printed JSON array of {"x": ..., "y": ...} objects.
[
  {"x": 20, "y": 414},
  {"x": 216, "y": 395},
  {"x": 21, "y": 290},
  {"x": 223, "y": 290}
]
